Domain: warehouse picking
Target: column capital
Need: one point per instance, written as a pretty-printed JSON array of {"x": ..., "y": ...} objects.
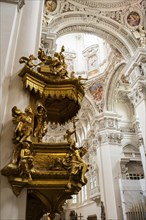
[{"x": 113, "y": 138}]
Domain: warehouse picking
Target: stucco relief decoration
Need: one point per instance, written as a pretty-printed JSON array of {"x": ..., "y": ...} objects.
[
  {"x": 124, "y": 79},
  {"x": 96, "y": 91}
]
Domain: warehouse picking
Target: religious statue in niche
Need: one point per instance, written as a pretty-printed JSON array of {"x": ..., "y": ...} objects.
[
  {"x": 51, "y": 5},
  {"x": 96, "y": 91},
  {"x": 133, "y": 19}
]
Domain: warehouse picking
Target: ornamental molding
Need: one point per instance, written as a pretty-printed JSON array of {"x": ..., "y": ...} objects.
[
  {"x": 121, "y": 96},
  {"x": 96, "y": 22},
  {"x": 128, "y": 129},
  {"x": 106, "y": 5},
  {"x": 138, "y": 73},
  {"x": 113, "y": 16},
  {"x": 106, "y": 121},
  {"x": 139, "y": 59},
  {"x": 119, "y": 14},
  {"x": 138, "y": 93},
  {"x": 113, "y": 138}
]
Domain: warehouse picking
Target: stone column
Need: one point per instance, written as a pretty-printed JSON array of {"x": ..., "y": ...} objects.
[
  {"x": 108, "y": 156},
  {"x": 137, "y": 96},
  {"x": 20, "y": 37}
]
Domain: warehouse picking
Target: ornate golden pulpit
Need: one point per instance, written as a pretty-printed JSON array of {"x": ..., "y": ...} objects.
[{"x": 51, "y": 172}]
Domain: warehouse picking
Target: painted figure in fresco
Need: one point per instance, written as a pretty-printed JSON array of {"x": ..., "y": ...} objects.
[
  {"x": 133, "y": 19},
  {"x": 40, "y": 123},
  {"x": 97, "y": 91}
]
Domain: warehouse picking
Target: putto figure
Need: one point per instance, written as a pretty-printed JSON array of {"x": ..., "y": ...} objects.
[{"x": 23, "y": 121}]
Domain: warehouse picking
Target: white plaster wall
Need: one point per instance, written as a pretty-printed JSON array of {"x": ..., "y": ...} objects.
[
  {"x": 107, "y": 186},
  {"x": 115, "y": 155},
  {"x": 123, "y": 109},
  {"x": 141, "y": 113},
  {"x": 9, "y": 26},
  {"x": 20, "y": 36}
]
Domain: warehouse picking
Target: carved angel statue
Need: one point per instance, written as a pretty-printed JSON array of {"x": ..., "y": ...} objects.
[
  {"x": 26, "y": 161},
  {"x": 28, "y": 61},
  {"x": 60, "y": 67},
  {"x": 69, "y": 139},
  {"x": 78, "y": 165},
  {"x": 47, "y": 60},
  {"x": 23, "y": 121},
  {"x": 56, "y": 64},
  {"x": 40, "y": 123}
]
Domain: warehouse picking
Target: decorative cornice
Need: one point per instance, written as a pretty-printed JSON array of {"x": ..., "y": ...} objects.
[{"x": 106, "y": 5}]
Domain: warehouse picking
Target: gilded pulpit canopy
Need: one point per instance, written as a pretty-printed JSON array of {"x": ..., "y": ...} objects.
[{"x": 61, "y": 92}]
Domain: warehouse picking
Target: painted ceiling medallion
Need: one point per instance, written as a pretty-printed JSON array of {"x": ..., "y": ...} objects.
[
  {"x": 50, "y": 5},
  {"x": 133, "y": 19}
]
